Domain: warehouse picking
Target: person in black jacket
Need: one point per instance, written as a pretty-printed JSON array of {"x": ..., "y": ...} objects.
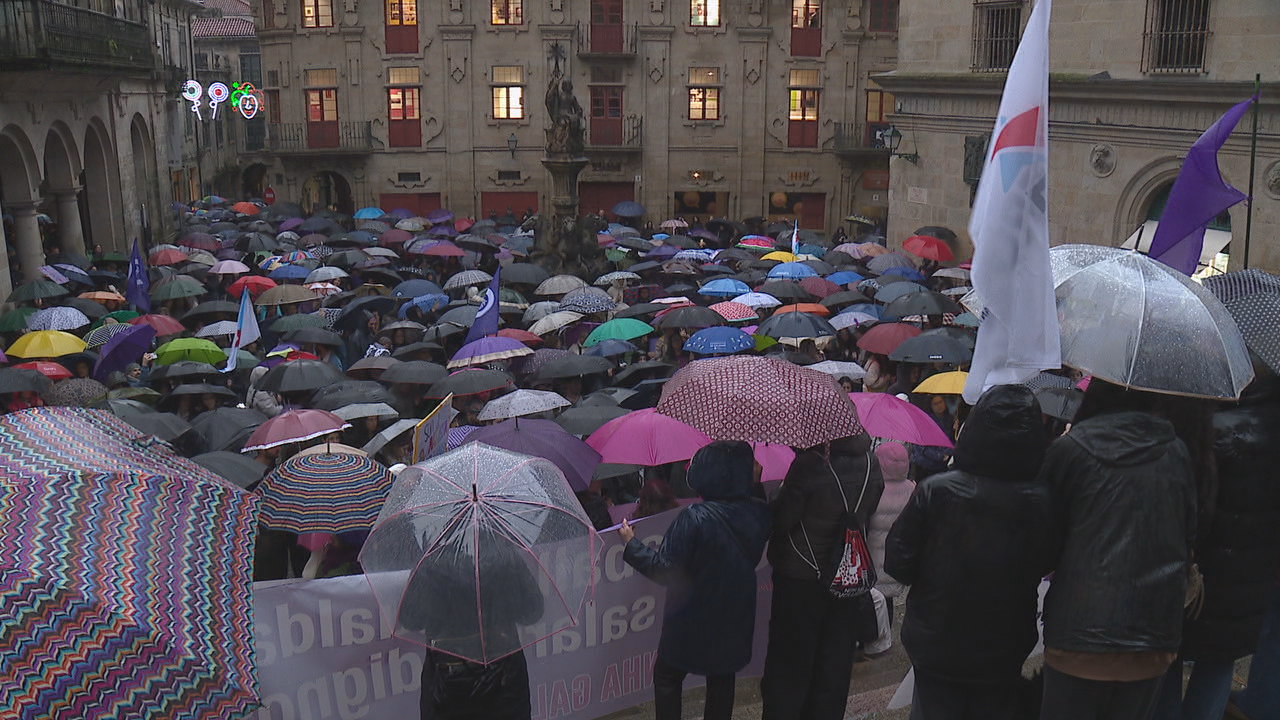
[
  {"x": 973, "y": 543},
  {"x": 708, "y": 562},
  {"x": 1238, "y": 553},
  {"x": 1125, "y": 497},
  {"x": 813, "y": 636}
]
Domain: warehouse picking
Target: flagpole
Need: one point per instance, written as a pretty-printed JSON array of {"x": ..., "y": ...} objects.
[{"x": 1253, "y": 167}]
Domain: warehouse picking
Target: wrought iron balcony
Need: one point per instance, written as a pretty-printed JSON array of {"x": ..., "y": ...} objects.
[
  {"x": 854, "y": 140},
  {"x": 46, "y": 35},
  {"x": 624, "y": 134},
  {"x": 607, "y": 41},
  {"x": 320, "y": 138}
]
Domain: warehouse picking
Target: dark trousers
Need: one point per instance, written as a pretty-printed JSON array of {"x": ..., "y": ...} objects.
[
  {"x": 454, "y": 689},
  {"x": 812, "y": 640},
  {"x": 935, "y": 699},
  {"x": 668, "y": 688},
  {"x": 1072, "y": 698}
]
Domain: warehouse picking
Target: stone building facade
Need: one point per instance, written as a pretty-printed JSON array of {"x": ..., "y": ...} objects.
[
  {"x": 1133, "y": 83},
  {"x": 92, "y": 138},
  {"x": 226, "y": 50},
  {"x": 694, "y": 108}
]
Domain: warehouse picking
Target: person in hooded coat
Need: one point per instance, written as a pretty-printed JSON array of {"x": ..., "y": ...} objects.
[
  {"x": 707, "y": 561},
  {"x": 1125, "y": 498},
  {"x": 973, "y": 543},
  {"x": 813, "y": 636},
  {"x": 895, "y": 465}
]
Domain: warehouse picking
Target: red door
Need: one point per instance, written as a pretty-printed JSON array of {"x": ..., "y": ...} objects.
[
  {"x": 606, "y": 116},
  {"x": 499, "y": 204},
  {"x": 417, "y": 203},
  {"x": 322, "y": 118},
  {"x": 600, "y": 197},
  {"x": 606, "y": 26},
  {"x": 812, "y": 211}
]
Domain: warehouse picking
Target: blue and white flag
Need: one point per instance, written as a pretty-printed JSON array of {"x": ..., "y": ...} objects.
[
  {"x": 486, "y": 323},
  {"x": 795, "y": 238},
  {"x": 138, "y": 289},
  {"x": 247, "y": 331}
]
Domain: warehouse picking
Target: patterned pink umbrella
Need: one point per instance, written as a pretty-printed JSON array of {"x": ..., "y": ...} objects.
[
  {"x": 886, "y": 416},
  {"x": 734, "y": 311},
  {"x": 760, "y": 399},
  {"x": 647, "y": 438},
  {"x": 294, "y": 426}
]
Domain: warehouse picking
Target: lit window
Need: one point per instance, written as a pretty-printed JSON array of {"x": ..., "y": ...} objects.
[
  {"x": 704, "y": 93},
  {"x": 804, "y": 104},
  {"x": 403, "y": 104},
  {"x": 404, "y": 76},
  {"x": 322, "y": 105},
  {"x": 402, "y": 12},
  {"x": 317, "y": 13},
  {"x": 506, "y": 12},
  {"x": 806, "y": 13},
  {"x": 704, "y": 13},
  {"x": 508, "y": 92},
  {"x": 322, "y": 78}
]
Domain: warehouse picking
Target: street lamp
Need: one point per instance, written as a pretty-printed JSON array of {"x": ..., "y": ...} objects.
[
  {"x": 892, "y": 138},
  {"x": 512, "y": 142}
]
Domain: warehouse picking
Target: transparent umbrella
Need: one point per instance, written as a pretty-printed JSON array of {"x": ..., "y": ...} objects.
[
  {"x": 480, "y": 552},
  {"x": 1135, "y": 322}
]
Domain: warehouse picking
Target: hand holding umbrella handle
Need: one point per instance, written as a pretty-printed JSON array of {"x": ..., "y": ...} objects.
[{"x": 626, "y": 532}]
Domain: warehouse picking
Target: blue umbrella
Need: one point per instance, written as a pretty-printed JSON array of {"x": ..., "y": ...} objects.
[
  {"x": 663, "y": 252},
  {"x": 725, "y": 287},
  {"x": 792, "y": 271},
  {"x": 628, "y": 208},
  {"x": 74, "y": 273},
  {"x": 811, "y": 249},
  {"x": 875, "y": 311},
  {"x": 416, "y": 288},
  {"x": 844, "y": 277},
  {"x": 290, "y": 272},
  {"x": 906, "y": 272},
  {"x": 123, "y": 348},
  {"x": 426, "y": 303},
  {"x": 611, "y": 348},
  {"x": 369, "y": 213},
  {"x": 720, "y": 340}
]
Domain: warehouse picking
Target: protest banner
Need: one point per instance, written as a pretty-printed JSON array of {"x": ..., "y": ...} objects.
[
  {"x": 326, "y": 649},
  {"x": 431, "y": 436}
]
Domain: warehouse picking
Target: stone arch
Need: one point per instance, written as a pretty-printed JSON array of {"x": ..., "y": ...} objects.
[
  {"x": 19, "y": 167},
  {"x": 327, "y": 188},
  {"x": 62, "y": 164},
  {"x": 253, "y": 181},
  {"x": 101, "y": 188},
  {"x": 1135, "y": 198},
  {"x": 145, "y": 183}
]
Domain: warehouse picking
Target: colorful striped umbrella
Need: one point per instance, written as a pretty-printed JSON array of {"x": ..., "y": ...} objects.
[
  {"x": 324, "y": 493},
  {"x": 126, "y": 565}
]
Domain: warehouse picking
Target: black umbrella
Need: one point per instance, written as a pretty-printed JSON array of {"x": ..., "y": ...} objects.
[
  {"x": 524, "y": 274},
  {"x": 210, "y": 311},
  {"x": 184, "y": 369},
  {"x": 470, "y": 382},
  {"x": 234, "y": 467},
  {"x": 932, "y": 348},
  {"x": 300, "y": 376},
  {"x": 964, "y": 335},
  {"x": 838, "y": 259},
  {"x": 351, "y": 314},
  {"x": 570, "y": 366},
  {"x": 691, "y": 317},
  {"x": 227, "y": 428},
  {"x": 920, "y": 303},
  {"x": 164, "y": 425},
  {"x": 848, "y": 297},
  {"x": 586, "y": 420},
  {"x": 640, "y": 310},
  {"x": 92, "y": 310},
  {"x": 413, "y": 372},
  {"x": 941, "y": 233},
  {"x": 631, "y": 242},
  {"x": 351, "y": 392},
  {"x": 646, "y": 370},
  {"x": 796, "y": 325},
  {"x": 14, "y": 380},
  {"x": 646, "y": 394},
  {"x": 1060, "y": 403},
  {"x": 413, "y": 351},
  {"x": 785, "y": 290},
  {"x": 628, "y": 209},
  {"x": 461, "y": 316},
  {"x": 314, "y": 336},
  {"x": 286, "y": 210},
  {"x": 822, "y": 268}
]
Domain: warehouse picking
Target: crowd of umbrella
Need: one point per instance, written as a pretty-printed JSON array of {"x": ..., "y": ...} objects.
[{"x": 115, "y": 541}]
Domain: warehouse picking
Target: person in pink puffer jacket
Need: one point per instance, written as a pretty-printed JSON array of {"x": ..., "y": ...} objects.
[{"x": 895, "y": 463}]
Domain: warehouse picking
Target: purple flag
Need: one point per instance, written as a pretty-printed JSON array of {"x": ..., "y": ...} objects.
[
  {"x": 1198, "y": 196},
  {"x": 486, "y": 323},
  {"x": 138, "y": 289}
]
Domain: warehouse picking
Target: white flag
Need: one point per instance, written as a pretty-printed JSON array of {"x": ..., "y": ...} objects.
[
  {"x": 1010, "y": 227},
  {"x": 246, "y": 330}
]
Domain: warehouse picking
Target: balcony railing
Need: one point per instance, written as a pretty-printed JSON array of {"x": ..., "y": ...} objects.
[
  {"x": 607, "y": 40},
  {"x": 40, "y": 34},
  {"x": 320, "y": 138},
  {"x": 620, "y": 135},
  {"x": 854, "y": 139}
]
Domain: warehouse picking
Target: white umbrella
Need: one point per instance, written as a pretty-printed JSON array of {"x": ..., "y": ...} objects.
[
  {"x": 839, "y": 369},
  {"x": 325, "y": 274},
  {"x": 555, "y": 321},
  {"x": 559, "y": 285},
  {"x": 608, "y": 279},
  {"x": 521, "y": 403},
  {"x": 758, "y": 300},
  {"x": 363, "y": 410},
  {"x": 218, "y": 329}
]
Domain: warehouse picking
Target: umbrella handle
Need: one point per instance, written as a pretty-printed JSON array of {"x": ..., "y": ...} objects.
[{"x": 475, "y": 496}]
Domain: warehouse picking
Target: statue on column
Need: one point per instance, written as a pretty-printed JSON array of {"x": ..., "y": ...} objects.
[{"x": 568, "y": 130}]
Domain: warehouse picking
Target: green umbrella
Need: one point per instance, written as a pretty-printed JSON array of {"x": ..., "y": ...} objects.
[
  {"x": 618, "y": 329},
  {"x": 294, "y": 322},
  {"x": 37, "y": 290},
  {"x": 115, "y": 257},
  {"x": 141, "y": 394},
  {"x": 197, "y": 349},
  {"x": 16, "y": 320},
  {"x": 179, "y": 286},
  {"x": 120, "y": 316}
]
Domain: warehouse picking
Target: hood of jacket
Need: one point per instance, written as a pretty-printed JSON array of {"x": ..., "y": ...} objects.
[
  {"x": 895, "y": 461},
  {"x": 1003, "y": 437},
  {"x": 1124, "y": 438},
  {"x": 852, "y": 446},
  {"x": 722, "y": 471}
]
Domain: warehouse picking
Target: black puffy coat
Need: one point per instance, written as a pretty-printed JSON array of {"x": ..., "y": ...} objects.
[
  {"x": 708, "y": 562},
  {"x": 1125, "y": 496},
  {"x": 807, "y": 510},
  {"x": 974, "y": 543},
  {"x": 1239, "y": 553}
]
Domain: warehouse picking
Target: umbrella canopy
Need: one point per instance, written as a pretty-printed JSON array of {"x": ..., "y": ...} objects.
[
  {"x": 413, "y": 372},
  {"x": 57, "y": 318},
  {"x": 931, "y": 349},
  {"x": 691, "y": 316},
  {"x": 886, "y": 337},
  {"x": 947, "y": 383},
  {"x": 193, "y": 349},
  {"x": 469, "y": 382},
  {"x": 1060, "y": 403},
  {"x": 47, "y": 368},
  {"x": 645, "y": 437},
  {"x": 587, "y": 303},
  {"x": 559, "y": 285},
  {"x": 757, "y": 300},
  {"x": 883, "y": 262},
  {"x": 177, "y": 287},
  {"x": 792, "y": 271},
  {"x": 547, "y": 440},
  {"x": 365, "y": 410},
  {"x": 467, "y": 277},
  {"x": 919, "y": 303},
  {"x": 487, "y": 350},
  {"x": 46, "y": 344},
  {"x": 238, "y": 469},
  {"x": 521, "y": 403},
  {"x": 524, "y": 274},
  {"x": 15, "y": 380},
  {"x": 227, "y": 428},
  {"x": 36, "y": 290},
  {"x": 1253, "y": 299},
  {"x": 840, "y": 369},
  {"x": 929, "y": 248},
  {"x": 324, "y": 493},
  {"x": 719, "y": 341},
  {"x": 570, "y": 366},
  {"x": 795, "y": 327},
  {"x": 455, "y": 556},
  {"x": 618, "y": 329},
  {"x": 283, "y": 295},
  {"x": 351, "y": 392},
  {"x": 163, "y": 324},
  {"x": 1133, "y": 321},
  {"x": 294, "y": 426},
  {"x": 128, "y": 559},
  {"x": 586, "y": 419},
  {"x": 554, "y": 321},
  {"x": 724, "y": 287},
  {"x": 885, "y": 416},
  {"x": 300, "y": 376},
  {"x": 760, "y": 399}
]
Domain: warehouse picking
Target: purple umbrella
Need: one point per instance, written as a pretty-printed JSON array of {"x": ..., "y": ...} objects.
[
  {"x": 123, "y": 348},
  {"x": 442, "y": 231},
  {"x": 488, "y": 349},
  {"x": 290, "y": 224},
  {"x": 439, "y": 215},
  {"x": 401, "y": 213},
  {"x": 544, "y": 439},
  {"x": 663, "y": 252}
]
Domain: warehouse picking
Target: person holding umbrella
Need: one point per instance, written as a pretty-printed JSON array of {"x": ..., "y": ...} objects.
[{"x": 707, "y": 560}]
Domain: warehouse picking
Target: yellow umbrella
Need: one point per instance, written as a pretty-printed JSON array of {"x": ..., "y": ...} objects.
[
  {"x": 947, "y": 383},
  {"x": 46, "y": 344},
  {"x": 781, "y": 256}
]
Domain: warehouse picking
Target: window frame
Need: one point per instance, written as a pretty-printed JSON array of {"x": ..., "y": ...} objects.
[
  {"x": 882, "y": 15},
  {"x": 704, "y": 19},
  {"x": 511, "y": 8},
  {"x": 311, "y": 104},
  {"x": 1180, "y": 46},
  {"x": 405, "y": 91},
  {"x": 985, "y": 43},
  {"x": 317, "y": 8},
  {"x": 496, "y": 88},
  {"x": 393, "y": 13},
  {"x": 811, "y": 9},
  {"x": 712, "y": 91}
]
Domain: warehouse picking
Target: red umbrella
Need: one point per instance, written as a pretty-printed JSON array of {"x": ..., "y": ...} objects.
[
  {"x": 444, "y": 248},
  {"x": 245, "y": 207},
  {"x": 811, "y": 308},
  {"x": 523, "y": 336},
  {"x": 929, "y": 248},
  {"x": 819, "y": 287},
  {"x": 647, "y": 438},
  {"x": 886, "y": 416},
  {"x": 294, "y": 426},
  {"x": 734, "y": 311},
  {"x": 255, "y": 283},
  {"x": 464, "y": 224},
  {"x": 167, "y": 257},
  {"x": 163, "y": 324},
  {"x": 760, "y": 399},
  {"x": 51, "y": 370},
  {"x": 394, "y": 236},
  {"x": 886, "y": 337}
]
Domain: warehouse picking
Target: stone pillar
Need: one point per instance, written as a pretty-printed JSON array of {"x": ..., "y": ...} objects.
[
  {"x": 6, "y": 284},
  {"x": 27, "y": 236},
  {"x": 70, "y": 233}
]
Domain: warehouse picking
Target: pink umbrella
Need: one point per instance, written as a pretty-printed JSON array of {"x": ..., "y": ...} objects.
[
  {"x": 775, "y": 460},
  {"x": 885, "y": 416},
  {"x": 228, "y": 267},
  {"x": 294, "y": 426},
  {"x": 645, "y": 437}
]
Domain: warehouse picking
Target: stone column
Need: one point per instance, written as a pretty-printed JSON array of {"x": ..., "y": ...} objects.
[
  {"x": 27, "y": 236},
  {"x": 6, "y": 284},
  {"x": 70, "y": 233}
]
